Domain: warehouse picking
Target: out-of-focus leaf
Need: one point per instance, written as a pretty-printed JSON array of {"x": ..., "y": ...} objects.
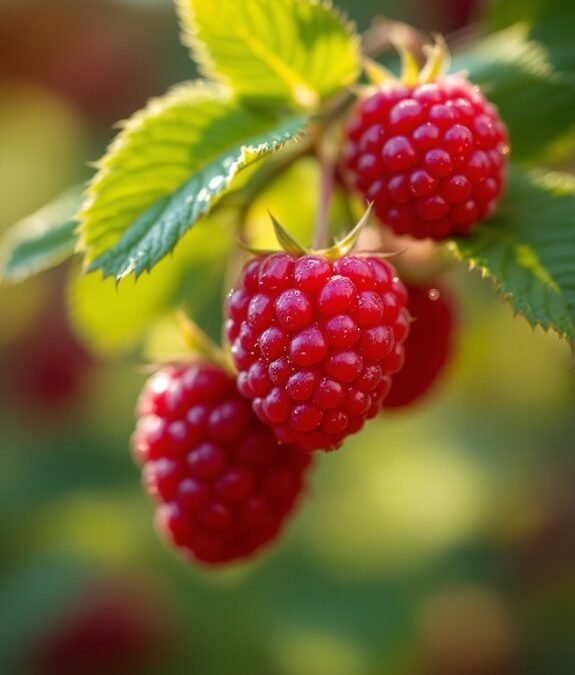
[
  {"x": 528, "y": 249},
  {"x": 285, "y": 51},
  {"x": 43, "y": 141},
  {"x": 550, "y": 23},
  {"x": 42, "y": 240},
  {"x": 535, "y": 100},
  {"x": 55, "y": 581},
  {"x": 113, "y": 319}
]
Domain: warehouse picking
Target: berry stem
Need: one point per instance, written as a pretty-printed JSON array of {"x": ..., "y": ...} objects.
[
  {"x": 269, "y": 172},
  {"x": 321, "y": 238}
]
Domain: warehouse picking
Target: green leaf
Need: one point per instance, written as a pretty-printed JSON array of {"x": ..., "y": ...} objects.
[
  {"x": 528, "y": 249},
  {"x": 286, "y": 51},
  {"x": 40, "y": 241},
  {"x": 159, "y": 228},
  {"x": 516, "y": 73},
  {"x": 164, "y": 170},
  {"x": 550, "y": 23},
  {"x": 114, "y": 319}
]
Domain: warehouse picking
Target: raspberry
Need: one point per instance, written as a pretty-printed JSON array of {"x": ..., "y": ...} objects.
[
  {"x": 316, "y": 342},
  {"x": 428, "y": 346},
  {"x": 108, "y": 626},
  {"x": 48, "y": 376},
  {"x": 223, "y": 484},
  {"x": 432, "y": 158}
]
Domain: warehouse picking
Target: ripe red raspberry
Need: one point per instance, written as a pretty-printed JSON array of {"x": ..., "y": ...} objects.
[
  {"x": 315, "y": 343},
  {"x": 223, "y": 484},
  {"x": 431, "y": 157},
  {"x": 428, "y": 346}
]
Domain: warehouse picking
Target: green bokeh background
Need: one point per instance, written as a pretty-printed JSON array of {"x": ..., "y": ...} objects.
[{"x": 441, "y": 540}]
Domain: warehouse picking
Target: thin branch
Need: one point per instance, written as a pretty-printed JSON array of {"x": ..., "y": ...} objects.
[{"x": 321, "y": 237}]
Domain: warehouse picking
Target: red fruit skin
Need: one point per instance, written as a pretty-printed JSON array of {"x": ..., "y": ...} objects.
[
  {"x": 428, "y": 347},
  {"x": 223, "y": 485},
  {"x": 431, "y": 158},
  {"x": 316, "y": 343}
]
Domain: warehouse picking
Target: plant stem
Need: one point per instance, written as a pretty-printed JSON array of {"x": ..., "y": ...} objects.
[
  {"x": 270, "y": 170},
  {"x": 321, "y": 238}
]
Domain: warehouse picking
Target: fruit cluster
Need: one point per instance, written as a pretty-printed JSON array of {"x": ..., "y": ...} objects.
[
  {"x": 319, "y": 348},
  {"x": 431, "y": 157},
  {"x": 322, "y": 341}
]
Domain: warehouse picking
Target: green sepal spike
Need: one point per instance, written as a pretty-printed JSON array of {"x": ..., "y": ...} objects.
[
  {"x": 409, "y": 64},
  {"x": 293, "y": 247},
  {"x": 349, "y": 242},
  {"x": 438, "y": 60},
  {"x": 285, "y": 240}
]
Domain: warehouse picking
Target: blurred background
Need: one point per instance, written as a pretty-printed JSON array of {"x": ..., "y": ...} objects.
[{"x": 440, "y": 542}]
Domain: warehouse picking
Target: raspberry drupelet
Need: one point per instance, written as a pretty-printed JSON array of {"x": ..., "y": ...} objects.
[
  {"x": 223, "y": 485},
  {"x": 316, "y": 342},
  {"x": 431, "y": 157}
]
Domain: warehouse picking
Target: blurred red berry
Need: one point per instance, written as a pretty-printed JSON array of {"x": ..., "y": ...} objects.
[
  {"x": 111, "y": 628},
  {"x": 455, "y": 14},
  {"x": 47, "y": 370},
  {"x": 428, "y": 346}
]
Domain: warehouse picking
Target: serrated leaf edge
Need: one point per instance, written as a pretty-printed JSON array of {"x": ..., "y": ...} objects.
[
  {"x": 483, "y": 271},
  {"x": 248, "y": 155},
  {"x": 200, "y": 88}
]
